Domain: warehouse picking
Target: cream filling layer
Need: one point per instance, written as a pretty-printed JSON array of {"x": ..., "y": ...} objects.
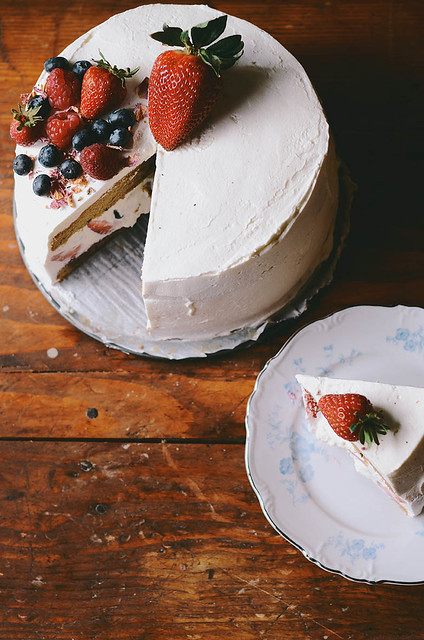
[{"x": 124, "y": 213}]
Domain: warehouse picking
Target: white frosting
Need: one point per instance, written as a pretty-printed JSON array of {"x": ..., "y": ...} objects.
[
  {"x": 399, "y": 458},
  {"x": 243, "y": 213}
]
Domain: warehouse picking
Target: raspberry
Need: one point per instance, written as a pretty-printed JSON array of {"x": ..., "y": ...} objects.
[
  {"x": 61, "y": 127},
  {"x": 101, "y": 162},
  {"x": 63, "y": 89}
]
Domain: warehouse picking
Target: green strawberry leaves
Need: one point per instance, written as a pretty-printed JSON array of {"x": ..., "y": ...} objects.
[
  {"x": 207, "y": 32},
  {"x": 122, "y": 74},
  {"x": 369, "y": 426},
  {"x": 170, "y": 36},
  {"x": 26, "y": 117},
  {"x": 201, "y": 41}
]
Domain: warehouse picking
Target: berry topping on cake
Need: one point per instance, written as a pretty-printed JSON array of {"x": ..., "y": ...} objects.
[
  {"x": 70, "y": 169},
  {"x": 62, "y": 126},
  {"x": 352, "y": 417},
  {"x": 103, "y": 88},
  {"x": 101, "y": 162},
  {"x": 42, "y": 184},
  {"x": 49, "y": 155},
  {"x": 81, "y": 67},
  {"x": 40, "y": 103},
  {"x": 122, "y": 118},
  {"x": 83, "y": 138},
  {"x": 57, "y": 62},
  {"x": 185, "y": 86},
  {"x": 63, "y": 89},
  {"x": 101, "y": 130},
  {"x": 23, "y": 164},
  {"x": 26, "y": 125},
  {"x": 120, "y": 138}
]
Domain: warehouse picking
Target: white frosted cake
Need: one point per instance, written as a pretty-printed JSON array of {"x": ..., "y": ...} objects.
[
  {"x": 241, "y": 214},
  {"x": 397, "y": 463}
]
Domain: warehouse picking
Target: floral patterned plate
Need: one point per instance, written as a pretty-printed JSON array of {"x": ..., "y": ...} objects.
[{"x": 310, "y": 492}]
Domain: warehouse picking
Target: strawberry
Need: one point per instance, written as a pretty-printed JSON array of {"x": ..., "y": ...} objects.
[
  {"x": 61, "y": 126},
  {"x": 184, "y": 86},
  {"x": 63, "y": 89},
  {"x": 352, "y": 417},
  {"x": 101, "y": 162},
  {"x": 103, "y": 88},
  {"x": 311, "y": 407},
  {"x": 100, "y": 226},
  {"x": 61, "y": 256},
  {"x": 26, "y": 126}
]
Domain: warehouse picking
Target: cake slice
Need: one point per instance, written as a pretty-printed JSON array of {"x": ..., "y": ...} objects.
[{"x": 395, "y": 459}]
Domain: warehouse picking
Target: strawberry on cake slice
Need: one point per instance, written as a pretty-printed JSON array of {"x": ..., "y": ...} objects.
[{"x": 380, "y": 425}]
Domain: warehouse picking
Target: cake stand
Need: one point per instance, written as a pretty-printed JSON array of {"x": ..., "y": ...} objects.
[{"x": 102, "y": 297}]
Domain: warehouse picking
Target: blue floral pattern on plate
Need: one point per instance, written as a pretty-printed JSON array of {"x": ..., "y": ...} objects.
[
  {"x": 408, "y": 339},
  {"x": 354, "y": 548}
]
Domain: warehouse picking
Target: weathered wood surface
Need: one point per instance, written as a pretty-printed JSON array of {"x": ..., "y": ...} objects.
[
  {"x": 102, "y": 541},
  {"x": 162, "y": 537}
]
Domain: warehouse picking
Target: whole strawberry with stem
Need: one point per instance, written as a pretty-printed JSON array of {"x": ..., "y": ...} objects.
[
  {"x": 103, "y": 88},
  {"x": 352, "y": 417},
  {"x": 184, "y": 86},
  {"x": 26, "y": 126}
]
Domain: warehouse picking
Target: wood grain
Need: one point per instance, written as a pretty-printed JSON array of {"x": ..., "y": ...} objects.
[
  {"x": 139, "y": 541},
  {"x": 140, "y": 523}
]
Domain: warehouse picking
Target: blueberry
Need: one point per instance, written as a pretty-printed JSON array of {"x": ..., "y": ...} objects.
[
  {"x": 82, "y": 139},
  {"x": 42, "y": 185},
  {"x": 101, "y": 130},
  {"x": 120, "y": 138},
  {"x": 57, "y": 62},
  {"x": 81, "y": 67},
  {"x": 42, "y": 103},
  {"x": 22, "y": 164},
  {"x": 70, "y": 169},
  {"x": 122, "y": 118},
  {"x": 50, "y": 156}
]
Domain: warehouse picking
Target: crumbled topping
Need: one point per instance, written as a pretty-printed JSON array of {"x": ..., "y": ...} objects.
[
  {"x": 132, "y": 160},
  {"x": 140, "y": 111},
  {"x": 143, "y": 88}
]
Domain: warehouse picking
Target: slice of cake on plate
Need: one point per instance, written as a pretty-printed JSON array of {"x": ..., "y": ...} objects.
[{"x": 380, "y": 425}]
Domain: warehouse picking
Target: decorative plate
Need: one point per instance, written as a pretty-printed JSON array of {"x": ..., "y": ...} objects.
[
  {"x": 310, "y": 492},
  {"x": 102, "y": 297}
]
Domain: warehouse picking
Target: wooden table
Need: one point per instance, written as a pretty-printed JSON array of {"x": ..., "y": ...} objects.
[{"x": 140, "y": 523}]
